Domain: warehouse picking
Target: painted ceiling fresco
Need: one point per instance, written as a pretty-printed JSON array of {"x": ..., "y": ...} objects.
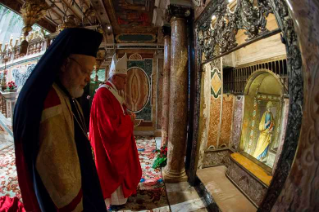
[
  {"x": 132, "y": 13},
  {"x": 131, "y": 16}
]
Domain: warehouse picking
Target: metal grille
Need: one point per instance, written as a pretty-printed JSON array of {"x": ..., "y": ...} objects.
[{"x": 235, "y": 78}]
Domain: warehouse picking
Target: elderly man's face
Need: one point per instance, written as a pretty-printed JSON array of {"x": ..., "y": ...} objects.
[
  {"x": 120, "y": 81},
  {"x": 76, "y": 72}
]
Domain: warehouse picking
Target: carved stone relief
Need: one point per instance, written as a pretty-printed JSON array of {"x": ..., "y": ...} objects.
[
  {"x": 252, "y": 18},
  {"x": 21, "y": 78},
  {"x": 221, "y": 32}
]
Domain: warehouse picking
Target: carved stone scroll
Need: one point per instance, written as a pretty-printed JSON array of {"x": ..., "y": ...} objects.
[{"x": 220, "y": 33}]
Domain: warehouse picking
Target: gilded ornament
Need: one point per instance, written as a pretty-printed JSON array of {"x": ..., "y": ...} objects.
[
  {"x": 31, "y": 12},
  {"x": 68, "y": 22},
  {"x": 220, "y": 36}
]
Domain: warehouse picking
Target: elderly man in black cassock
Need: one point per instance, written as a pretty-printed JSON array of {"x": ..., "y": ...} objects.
[{"x": 56, "y": 171}]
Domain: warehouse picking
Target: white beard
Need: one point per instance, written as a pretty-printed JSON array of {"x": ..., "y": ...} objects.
[{"x": 76, "y": 92}]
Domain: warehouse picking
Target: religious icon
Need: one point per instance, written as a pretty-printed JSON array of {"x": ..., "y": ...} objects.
[{"x": 266, "y": 127}]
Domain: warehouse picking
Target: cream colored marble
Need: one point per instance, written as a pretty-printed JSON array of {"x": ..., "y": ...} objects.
[
  {"x": 188, "y": 206},
  {"x": 226, "y": 195},
  {"x": 204, "y": 114}
]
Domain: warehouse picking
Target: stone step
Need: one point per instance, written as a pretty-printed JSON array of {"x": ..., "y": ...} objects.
[{"x": 224, "y": 193}]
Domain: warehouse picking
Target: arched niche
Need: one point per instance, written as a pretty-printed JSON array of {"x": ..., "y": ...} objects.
[{"x": 262, "y": 121}]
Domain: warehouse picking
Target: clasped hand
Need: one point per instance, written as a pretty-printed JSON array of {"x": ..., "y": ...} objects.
[{"x": 132, "y": 116}]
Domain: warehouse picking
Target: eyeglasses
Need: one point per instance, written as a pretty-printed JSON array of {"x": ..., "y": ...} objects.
[{"x": 81, "y": 66}]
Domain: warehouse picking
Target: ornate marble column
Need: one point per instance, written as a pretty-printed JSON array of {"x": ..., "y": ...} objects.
[
  {"x": 166, "y": 81},
  {"x": 177, "y": 129}
]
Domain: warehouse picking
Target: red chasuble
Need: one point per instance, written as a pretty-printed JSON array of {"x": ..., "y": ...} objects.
[{"x": 113, "y": 143}]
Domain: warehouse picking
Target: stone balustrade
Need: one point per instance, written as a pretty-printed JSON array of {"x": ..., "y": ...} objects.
[{"x": 11, "y": 53}]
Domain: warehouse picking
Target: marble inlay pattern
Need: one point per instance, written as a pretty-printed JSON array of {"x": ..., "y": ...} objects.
[
  {"x": 137, "y": 89},
  {"x": 215, "y": 103},
  {"x": 237, "y": 121},
  {"x": 213, "y": 131},
  {"x": 216, "y": 158},
  {"x": 246, "y": 183},
  {"x": 146, "y": 66},
  {"x": 216, "y": 83},
  {"x": 227, "y": 115}
]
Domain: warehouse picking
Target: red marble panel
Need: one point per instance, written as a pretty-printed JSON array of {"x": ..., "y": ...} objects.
[
  {"x": 227, "y": 115},
  {"x": 137, "y": 89},
  {"x": 237, "y": 121},
  {"x": 213, "y": 131},
  {"x": 159, "y": 93}
]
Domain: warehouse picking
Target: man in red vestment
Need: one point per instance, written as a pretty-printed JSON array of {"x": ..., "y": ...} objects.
[{"x": 112, "y": 139}]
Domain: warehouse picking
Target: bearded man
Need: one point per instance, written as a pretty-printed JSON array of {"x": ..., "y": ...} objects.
[{"x": 55, "y": 166}]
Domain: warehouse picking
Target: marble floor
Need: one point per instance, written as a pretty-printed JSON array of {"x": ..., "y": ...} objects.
[
  {"x": 184, "y": 198},
  {"x": 181, "y": 196}
]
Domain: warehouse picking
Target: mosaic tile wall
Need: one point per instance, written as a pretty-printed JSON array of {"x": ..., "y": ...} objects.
[
  {"x": 146, "y": 65},
  {"x": 137, "y": 90}
]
